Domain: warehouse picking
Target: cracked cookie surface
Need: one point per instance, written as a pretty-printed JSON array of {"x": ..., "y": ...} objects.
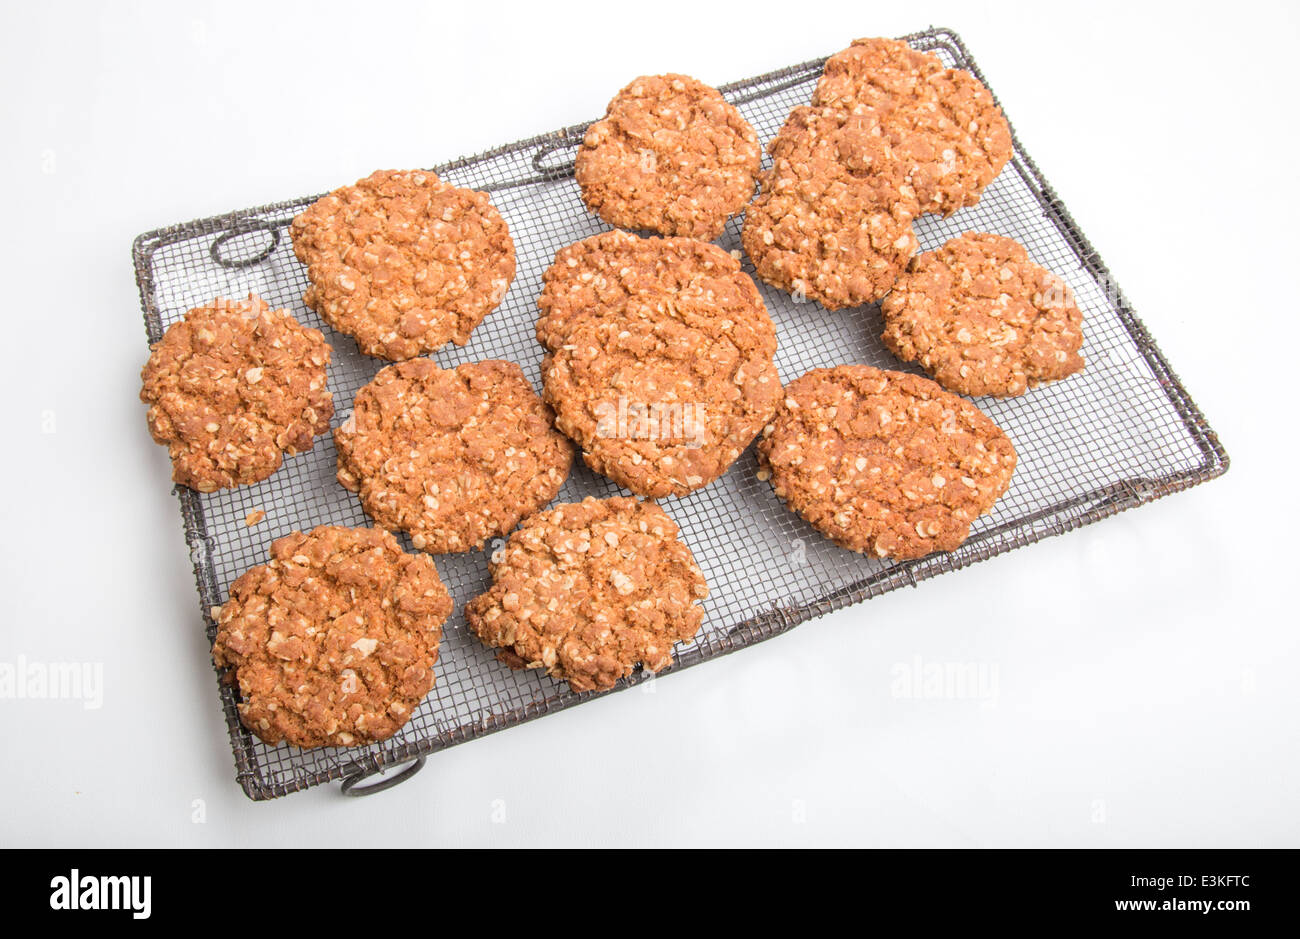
[
  {"x": 333, "y": 642},
  {"x": 660, "y": 359},
  {"x": 833, "y": 221},
  {"x": 403, "y": 262},
  {"x": 609, "y": 272},
  {"x": 670, "y": 156},
  {"x": 982, "y": 319},
  {"x": 942, "y": 122},
  {"x": 588, "y": 590},
  {"x": 882, "y": 462},
  {"x": 452, "y": 456},
  {"x": 232, "y": 388}
]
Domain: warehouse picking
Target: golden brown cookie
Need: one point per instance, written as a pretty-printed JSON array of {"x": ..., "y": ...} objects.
[
  {"x": 452, "y": 456},
  {"x": 233, "y": 387},
  {"x": 662, "y": 404},
  {"x": 588, "y": 590},
  {"x": 333, "y": 642},
  {"x": 942, "y": 122},
  {"x": 660, "y": 362},
  {"x": 877, "y": 73},
  {"x": 834, "y": 219},
  {"x": 609, "y": 272},
  {"x": 404, "y": 262},
  {"x": 670, "y": 156},
  {"x": 884, "y": 463},
  {"x": 983, "y": 319}
]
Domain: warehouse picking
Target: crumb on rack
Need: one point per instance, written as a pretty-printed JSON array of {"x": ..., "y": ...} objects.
[{"x": 253, "y": 517}]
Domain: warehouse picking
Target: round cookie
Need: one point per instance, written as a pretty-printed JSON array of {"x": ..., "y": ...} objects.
[
  {"x": 670, "y": 156},
  {"x": 982, "y": 319},
  {"x": 233, "y": 387},
  {"x": 607, "y": 273},
  {"x": 876, "y": 73},
  {"x": 942, "y": 122},
  {"x": 452, "y": 456},
  {"x": 660, "y": 364},
  {"x": 662, "y": 404},
  {"x": 403, "y": 262},
  {"x": 834, "y": 219},
  {"x": 333, "y": 642},
  {"x": 884, "y": 463},
  {"x": 588, "y": 590}
]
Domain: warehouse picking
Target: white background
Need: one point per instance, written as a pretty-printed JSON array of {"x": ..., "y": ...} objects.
[{"x": 1146, "y": 666}]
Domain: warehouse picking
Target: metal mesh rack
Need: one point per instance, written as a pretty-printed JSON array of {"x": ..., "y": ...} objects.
[{"x": 1122, "y": 432}]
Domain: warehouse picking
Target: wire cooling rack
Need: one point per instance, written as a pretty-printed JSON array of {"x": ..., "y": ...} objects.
[{"x": 1119, "y": 434}]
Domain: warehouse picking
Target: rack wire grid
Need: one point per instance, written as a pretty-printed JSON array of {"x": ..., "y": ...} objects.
[{"x": 1120, "y": 433}]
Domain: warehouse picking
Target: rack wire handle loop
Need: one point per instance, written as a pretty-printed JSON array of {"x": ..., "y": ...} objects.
[
  {"x": 551, "y": 170},
  {"x": 218, "y": 244},
  {"x": 350, "y": 787}
]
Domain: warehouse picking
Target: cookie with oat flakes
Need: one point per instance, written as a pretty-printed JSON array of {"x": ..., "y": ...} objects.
[
  {"x": 670, "y": 156},
  {"x": 876, "y": 73},
  {"x": 333, "y": 641},
  {"x": 589, "y": 590},
  {"x": 941, "y": 121},
  {"x": 452, "y": 456},
  {"x": 232, "y": 388},
  {"x": 660, "y": 359},
  {"x": 834, "y": 218},
  {"x": 982, "y": 319},
  {"x": 403, "y": 262},
  {"x": 662, "y": 405},
  {"x": 884, "y": 463},
  {"x": 612, "y": 271}
]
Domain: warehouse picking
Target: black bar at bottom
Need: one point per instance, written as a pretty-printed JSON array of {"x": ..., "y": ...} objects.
[{"x": 1177, "y": 888}]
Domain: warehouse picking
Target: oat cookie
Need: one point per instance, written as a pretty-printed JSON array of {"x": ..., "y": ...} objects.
[
  {"x": 609, "y": 272},
  {"x": 884, "y": 463},
  {"x": 670, "y": 156},
  {"x": 876, "y": 73},
  {"x": 834, "y": 219},
  {"x": 404, "y": 262},
  {"x": 333, "y": 641},
  {"x": 983, "y": 319},
  {"x": 943, "y": 122},
  {"x": 660, "y": 362},
  {"x": 233, "y": 387},
  {"x": 452, "y": 456},
  {"x": 587, "y": 590},
  {"x": 662, "y": 404}
]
